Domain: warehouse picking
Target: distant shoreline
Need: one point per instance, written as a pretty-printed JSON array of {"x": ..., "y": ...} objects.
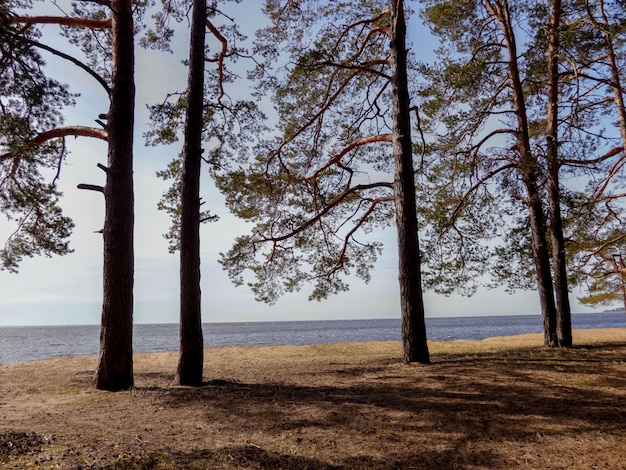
[
  {"x": 29, "y": 343},
  {"x": 312, "y": 320}
]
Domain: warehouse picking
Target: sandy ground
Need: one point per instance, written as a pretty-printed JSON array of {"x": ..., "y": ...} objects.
[{"x": 500, "y": 403}]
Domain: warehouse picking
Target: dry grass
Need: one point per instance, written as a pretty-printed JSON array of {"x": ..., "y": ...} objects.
[{"x": 499, "y": 403}]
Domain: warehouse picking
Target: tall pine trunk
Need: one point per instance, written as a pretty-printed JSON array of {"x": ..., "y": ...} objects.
[
  {"x": 559, "y": 263},
  {"x": 411, "y": 299},
  {"x": 190, "y": 363},
  {"x": 115, "y": 366},
  {"x": 528, "y": 168}
]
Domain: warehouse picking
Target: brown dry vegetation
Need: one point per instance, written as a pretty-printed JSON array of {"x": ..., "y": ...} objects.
[{"x": 499, "y": 403}]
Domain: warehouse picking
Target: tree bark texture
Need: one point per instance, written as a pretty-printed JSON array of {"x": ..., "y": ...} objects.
[
  {"x": 559, "y": 263},
  {"x": 115, "y": 366},
  {"x": 528, "y": 168},
  {"x": 191, "y": 357},
  {"x": 411, "y": 298}
]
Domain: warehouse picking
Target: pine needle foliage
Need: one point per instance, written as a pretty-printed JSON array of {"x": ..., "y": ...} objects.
[
  {"x": 323, "y": 181},
  {"x": 30, "y": 103}
]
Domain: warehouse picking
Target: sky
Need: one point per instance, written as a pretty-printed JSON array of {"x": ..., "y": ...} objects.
[{"x": 68, "y": 290}]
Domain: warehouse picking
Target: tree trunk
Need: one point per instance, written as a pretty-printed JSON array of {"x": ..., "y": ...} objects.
[
  {"x": 559, "y": 263},
  {"x": 115, "y": 366},
  {"x": 616, "y": 80},
  {"x": 559, "y": 266},
  {"x": 191, "y": 359},
  {"x": 411, "y": 299},
  {"x": 528, "y": 168}
]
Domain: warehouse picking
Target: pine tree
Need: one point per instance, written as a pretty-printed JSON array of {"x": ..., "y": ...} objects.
[
  {"x": 30, "y": 104},
  {"x": 116, "y": 75},
  {"x": 326, "y": 178},
  {"x": 207, "y": 116},
  {"x": 190, "y": 364}
]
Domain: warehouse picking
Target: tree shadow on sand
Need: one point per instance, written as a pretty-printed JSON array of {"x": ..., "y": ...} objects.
[
  {"x": 445, "y": 415},
  {"x": 253, "y": 457}
]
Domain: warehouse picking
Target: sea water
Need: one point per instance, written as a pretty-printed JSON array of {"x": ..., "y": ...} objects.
[{"x": 28, "y": 343}]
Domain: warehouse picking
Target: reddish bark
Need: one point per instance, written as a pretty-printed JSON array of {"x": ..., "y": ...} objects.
[{"x": 28, "y": 21}]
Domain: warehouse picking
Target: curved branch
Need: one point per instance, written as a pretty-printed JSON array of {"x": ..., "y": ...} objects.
[
  {"x": 357, "y": 225},
  {"x": 494, "y": 133},
  {"x": 379, "y": 29},
  {"x": 328, "y": 101},
  {"x": 611, "y": 153},
  {"x": 474, "y": 187},
  {"x": 220, "y": 57},
  {"x": 365, "y": 67},
  {"x": 76, "y": 131},
  {"x": 335, "y": 159},
  {"x": 327, "y": 209},
  {"x": 74, "y": 60},
  {"x": 598, "y": 250},
  {"x": 615, "y": 168},
  {"x": 29, "y": 21}
]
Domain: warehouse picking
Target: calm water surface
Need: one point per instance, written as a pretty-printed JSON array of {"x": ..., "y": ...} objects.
[{"x": 21, "y": 344}]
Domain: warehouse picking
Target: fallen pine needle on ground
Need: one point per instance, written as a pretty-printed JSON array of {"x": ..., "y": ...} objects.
[{"x": 499, "y": 403}]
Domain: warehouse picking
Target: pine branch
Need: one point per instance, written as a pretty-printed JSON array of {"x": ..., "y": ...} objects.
[
  {"x": 336, "y": 159},
  {"x": 65, "y": 56},
  {"x": 29, "y": 21},
  {"x": 477, "y": 185},
  {"x": 220, "y": 57},
  {"x": 76, "y": 131},
  {"x": 330, "y": 206},
  {"x": 357, "y": 225},
  {"x": 611, "y": 153}
]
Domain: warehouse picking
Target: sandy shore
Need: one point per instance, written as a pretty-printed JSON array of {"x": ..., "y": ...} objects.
[{"x": 499, "y": 403}]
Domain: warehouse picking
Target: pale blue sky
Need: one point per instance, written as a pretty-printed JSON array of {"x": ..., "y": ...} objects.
[{"x": 67, "y": 290}]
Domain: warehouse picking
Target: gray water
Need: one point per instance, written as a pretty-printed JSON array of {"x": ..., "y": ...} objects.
[{"x": 29, "y": 343}]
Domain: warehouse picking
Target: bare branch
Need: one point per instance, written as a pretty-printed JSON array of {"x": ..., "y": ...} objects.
[
  {"x": 611, "y": 153},
  {"x": 29, "y": 21},
  {"x": 76, "y": 131},
  {"x": 610, "y": 197},
  {"x": 597, "y": 251},
  {"x": 58, "y": 174},
  {"x": 91, "y": 187},
  {"x": 379, "y": 29},
  {"x": 494, "y": 133},
  {"x": 362, "y": 67},
  {"x": 335, "y": 159},
  {"x": 615, "y": 168},
  {"x": 75, "y": 61},
  {"x": 220, "y": 57}
]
